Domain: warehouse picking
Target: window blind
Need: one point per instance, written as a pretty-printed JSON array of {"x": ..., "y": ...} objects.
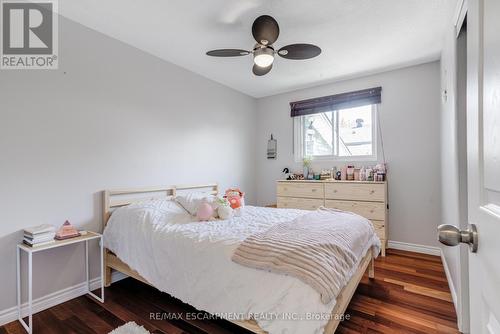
[{"x": 338, "y": 101}]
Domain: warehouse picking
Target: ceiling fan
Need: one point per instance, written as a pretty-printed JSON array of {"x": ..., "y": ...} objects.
[{"x": 266, "y": 30}]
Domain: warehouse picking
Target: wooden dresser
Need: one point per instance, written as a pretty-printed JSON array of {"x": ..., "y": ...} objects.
[{"x": 368, "y": 199}]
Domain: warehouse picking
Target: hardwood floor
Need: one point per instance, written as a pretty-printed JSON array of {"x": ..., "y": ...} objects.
[{"x": 409, "y": 294}]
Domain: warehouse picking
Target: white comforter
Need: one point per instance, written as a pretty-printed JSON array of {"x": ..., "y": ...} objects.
[{"x": 191, "y": 261}]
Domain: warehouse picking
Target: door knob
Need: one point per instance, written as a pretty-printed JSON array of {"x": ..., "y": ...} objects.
[{"x": 450, "y": 235}]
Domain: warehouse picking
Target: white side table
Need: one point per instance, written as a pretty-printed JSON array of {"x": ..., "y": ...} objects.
[{"x": 59, "y": 243}]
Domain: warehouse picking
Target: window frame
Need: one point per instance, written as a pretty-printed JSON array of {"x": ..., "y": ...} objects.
[{"x": 299, "y": 140}]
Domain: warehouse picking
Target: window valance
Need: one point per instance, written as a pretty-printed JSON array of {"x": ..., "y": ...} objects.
[{"x": 335, "y": 102}]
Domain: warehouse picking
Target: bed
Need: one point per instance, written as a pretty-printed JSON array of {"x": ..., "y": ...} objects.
[{"x": 191, "y": 261}]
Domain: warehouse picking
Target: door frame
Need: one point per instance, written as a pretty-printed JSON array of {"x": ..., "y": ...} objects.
[{"x": 462, "y": 300}]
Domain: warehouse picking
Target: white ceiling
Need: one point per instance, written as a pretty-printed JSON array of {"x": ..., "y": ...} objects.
[{"x": 357, "y": 36}]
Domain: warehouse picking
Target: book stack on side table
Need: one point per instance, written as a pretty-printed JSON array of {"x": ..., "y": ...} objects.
[{"x": 39, "y": 235}]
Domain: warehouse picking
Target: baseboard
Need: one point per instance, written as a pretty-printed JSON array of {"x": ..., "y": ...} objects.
[
  {"x": 414, "y": 248},
  {"x": 462, "y": 323},
  {"x": 450, "y": 283},
  {"x": 55, "y": 298}
]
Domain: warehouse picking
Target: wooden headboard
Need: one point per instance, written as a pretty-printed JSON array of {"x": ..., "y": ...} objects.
[{"x": 113, "y": 199}]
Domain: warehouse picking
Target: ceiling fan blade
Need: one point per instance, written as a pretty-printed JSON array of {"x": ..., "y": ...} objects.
[
  {"x": 265, "y": 30},
  {"x": 228, "y": 53},
  {"x": 260, "y": 71},
  {"x": 299, "y": 51}
]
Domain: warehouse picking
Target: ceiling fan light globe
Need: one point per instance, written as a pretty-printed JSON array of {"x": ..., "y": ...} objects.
[
  {"x": 263, "y": 60},
  {"x": 263, "y": 56}
]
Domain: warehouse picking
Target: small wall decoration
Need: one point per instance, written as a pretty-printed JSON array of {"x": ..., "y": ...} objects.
[{"x": 272, "y": 148}]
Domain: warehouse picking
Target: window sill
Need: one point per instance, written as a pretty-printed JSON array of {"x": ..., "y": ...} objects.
[{"x": 341, "y": 159}]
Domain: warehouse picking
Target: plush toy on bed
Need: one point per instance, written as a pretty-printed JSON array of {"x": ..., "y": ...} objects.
[
  {"x": 224, "y": 209},
  {"x": 235, "y": 197},
  {"x": 210, "y": 210},
  {"x": 205, "y": 212}
]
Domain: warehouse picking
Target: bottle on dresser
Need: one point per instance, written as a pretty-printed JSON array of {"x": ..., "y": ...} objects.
[
  {"x": 362, "y": 174},
  {"x": 350, "y": 173},
  {"x": 343, "y": 173},
  {"x": 369, "y": 174}
]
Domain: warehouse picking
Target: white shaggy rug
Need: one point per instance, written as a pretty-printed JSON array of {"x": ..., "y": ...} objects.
[{"x": 129, "y": 328}]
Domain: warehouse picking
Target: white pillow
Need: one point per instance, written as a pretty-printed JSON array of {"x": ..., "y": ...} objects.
[
  {"x": 191, "y": 201},
  {"x": 166, "y": 205},
  {"x": 172, "y": 207}
]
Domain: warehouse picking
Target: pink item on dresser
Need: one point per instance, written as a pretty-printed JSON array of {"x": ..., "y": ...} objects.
[
  {"x": 67, "y": 231},
  {"x": 343, "y": 173}
]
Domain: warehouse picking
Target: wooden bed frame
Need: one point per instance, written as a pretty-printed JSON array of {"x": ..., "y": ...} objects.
[{"x": 113, "y": 199}]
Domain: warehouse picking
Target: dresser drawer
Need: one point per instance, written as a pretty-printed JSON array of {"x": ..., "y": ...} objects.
[
  {"x": 369, "y": 210},
  {"x": 299, "y": 203},
  {"x": 380, "y": 228},
  {"x": 300, "y": 189},
  {"x": 355, "y": 191}
]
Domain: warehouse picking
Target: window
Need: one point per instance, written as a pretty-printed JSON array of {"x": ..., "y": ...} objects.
[{"x": 343, "y": 134}]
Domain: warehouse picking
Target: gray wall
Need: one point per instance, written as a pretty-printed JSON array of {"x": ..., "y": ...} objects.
[
  {"x": 410, "y": 122},
  {"x": 111, "y": 116}
]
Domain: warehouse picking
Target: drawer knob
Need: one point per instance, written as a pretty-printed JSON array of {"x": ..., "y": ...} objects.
[
  {"x": 335, "y": 190},
  {"x": 372, "y": 191},
  {"x": 313, "y": 190},
  {"x": 371, "y": 211}
]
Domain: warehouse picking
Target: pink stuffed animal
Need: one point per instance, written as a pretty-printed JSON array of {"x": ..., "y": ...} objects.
[
  {"x": 235, "y": 197},
  {"x": 205, "y": 212}
]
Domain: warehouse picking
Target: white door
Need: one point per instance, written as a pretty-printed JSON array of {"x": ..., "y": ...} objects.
[{"x": 483, "y": 154}]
